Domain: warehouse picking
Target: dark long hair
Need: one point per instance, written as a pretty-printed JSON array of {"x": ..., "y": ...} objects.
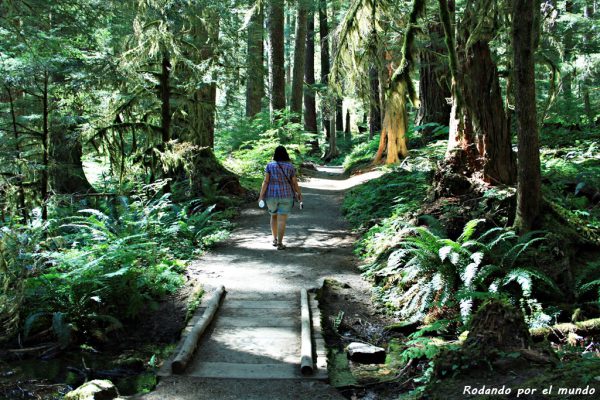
[{"x": 281, "y": 154}]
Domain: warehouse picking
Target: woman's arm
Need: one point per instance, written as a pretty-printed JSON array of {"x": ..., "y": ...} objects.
[
  {"x": 296, "y": 187},
  {"x": 264, "y": 186}
]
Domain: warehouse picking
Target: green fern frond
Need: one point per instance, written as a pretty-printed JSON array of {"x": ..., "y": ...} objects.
[
  {"x": 522, "y": 277},
  {"x": 469, "y": 230},
  {"x": 61, "y": 329},
  {"x": 520, "y": 248},
  {"x": 31, "y": 320},
  {"x": 485, "y": 272},
  {"x": 489, "y": 233},
  {"x": 586, "y": 287}
]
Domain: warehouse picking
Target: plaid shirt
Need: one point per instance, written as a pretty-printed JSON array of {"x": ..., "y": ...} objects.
[{"x": 279, "y": 186}]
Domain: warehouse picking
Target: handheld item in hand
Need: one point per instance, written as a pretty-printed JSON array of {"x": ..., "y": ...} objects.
[{"x": 261, "y": 204}]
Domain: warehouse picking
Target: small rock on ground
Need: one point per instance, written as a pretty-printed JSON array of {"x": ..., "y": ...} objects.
[
  {"x": 365, "y": 353},
  {"x": 97, "y": 389}
]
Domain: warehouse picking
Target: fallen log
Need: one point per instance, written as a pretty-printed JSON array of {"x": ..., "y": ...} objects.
[
  {"x": 188, "y": 347},
  {"x": 306, "y": 358},
  {"x": 591, "y": 326}
]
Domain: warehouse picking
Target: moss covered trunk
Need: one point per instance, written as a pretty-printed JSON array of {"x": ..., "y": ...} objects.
[{"x": 479, "y": 142}]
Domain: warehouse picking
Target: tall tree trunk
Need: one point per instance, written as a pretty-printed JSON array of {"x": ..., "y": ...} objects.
[
  {"x": 529, "y": 174},
  {"x": 339, "y": 115},
  {"x": 374, "y": 103},
  {"x": 289, "y": 27},
  {"x": 165, "y": 97},
  {"x": 255, "y": 81},
  {"x": 66, "y": 169},
  {"x": 299, "y": 60},
  {"x": 324, "y": 36},
  {"x": 347, "y": 131},
  {"x": 588, "y": 13},
  {"x": 45, "y": 192},
  {"x": 434, "y": 86},
  {"x": 310, "y": 110},
  {"x": 339, "y": 101},
  {"x": 21, "y": 208},
  {"x": 277, "y": 54},
  {"x": 202, "y": 107},
  {"x": 395, "y": 121},
  {"x": 479, "y": 142},
  {"x": 567, "y": 73},
  {"x": 332, "y": 150},
  {"x": 393, "y": 131}
]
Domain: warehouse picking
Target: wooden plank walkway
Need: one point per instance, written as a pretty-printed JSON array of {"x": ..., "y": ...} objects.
[{"x": 256, "y": 338}]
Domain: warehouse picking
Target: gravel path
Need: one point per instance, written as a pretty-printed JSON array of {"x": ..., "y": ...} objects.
[{"x": 257, "y": 330}]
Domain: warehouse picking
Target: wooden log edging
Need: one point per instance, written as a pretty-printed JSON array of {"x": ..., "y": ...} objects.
[
  {"x": 306, "y": 351},
  {"x": 188, "y": 347}
]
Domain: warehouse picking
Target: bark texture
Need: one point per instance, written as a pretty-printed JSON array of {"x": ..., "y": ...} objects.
[
  {"x": 66, "y": 169},
  {"x": 44, "y": 189},
  {"x": 255, "y": 81},
  {"x": 529, "y": 174},
  {"x": 393, "y": 134},
  {"x": 374, "y": 103},
  {"x": 165, "y": 98},
  {"x": 310, "y": 109},
  {"x": 479, "y": 143},
  {"x": 203, "y": 106},
  {"x": 324, "y": 36},
  {"x": 434, "y": 82},
  {"x": 392, "y": 143},
  {"x": 277, "y": 54},
  {"x": 299, "y": 60}
]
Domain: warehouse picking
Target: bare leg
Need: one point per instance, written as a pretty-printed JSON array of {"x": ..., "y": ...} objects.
[
  {"x": 281, "y": 227},
  {"x": 274, "y": 226}
]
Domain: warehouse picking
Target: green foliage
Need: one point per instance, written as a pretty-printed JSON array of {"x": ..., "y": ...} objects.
[
  {"x": 17, "y": 244},
  {"x": 587, "y": 282},
  {"x": 396, "y": 193},
  {"x": 250, "y": 156},
  {"x": 572, "y": 178},
  {"x": 95, "y": 271},
  {"x": 361, "y": 154},
  {"x": 428, "y": 271},
  {"x": 241, "y": 132}
]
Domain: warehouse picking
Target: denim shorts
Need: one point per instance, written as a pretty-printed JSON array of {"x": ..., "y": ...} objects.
[{"x": 279, "y": 206}]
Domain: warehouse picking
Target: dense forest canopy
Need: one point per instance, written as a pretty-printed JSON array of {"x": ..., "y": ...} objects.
[{"x": 130, "y": 131}]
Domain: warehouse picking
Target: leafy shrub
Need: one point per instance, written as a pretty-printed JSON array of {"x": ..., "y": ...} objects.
[
  {"x": 395, "y": 193},
  {"x": 569, "y": 173},
  {"x": 243, "y": 132},
  {"x": 430, "y": 272},
  {"x": 106, "y": 269},
  {"x": 17, "y": 245},
  {"x": 587, "y": 282},
  {"x": 250, "y": 161},
  {"x": 362, "y": 153}
]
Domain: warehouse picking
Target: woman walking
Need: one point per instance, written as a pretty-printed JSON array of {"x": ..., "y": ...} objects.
[{"x": 279, "y": 189}]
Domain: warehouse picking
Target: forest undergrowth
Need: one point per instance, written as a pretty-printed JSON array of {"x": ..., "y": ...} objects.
[{"x": 435, "y": 259}]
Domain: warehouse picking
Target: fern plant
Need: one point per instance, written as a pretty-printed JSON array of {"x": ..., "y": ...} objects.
[
  {"x": 588, "y": 281},
  {"x": 109, "y": 268},
  {"x": 433, "y": 271}
]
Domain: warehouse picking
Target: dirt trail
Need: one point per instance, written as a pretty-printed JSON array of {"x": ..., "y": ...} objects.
[{"x": 254, "y": 272}]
